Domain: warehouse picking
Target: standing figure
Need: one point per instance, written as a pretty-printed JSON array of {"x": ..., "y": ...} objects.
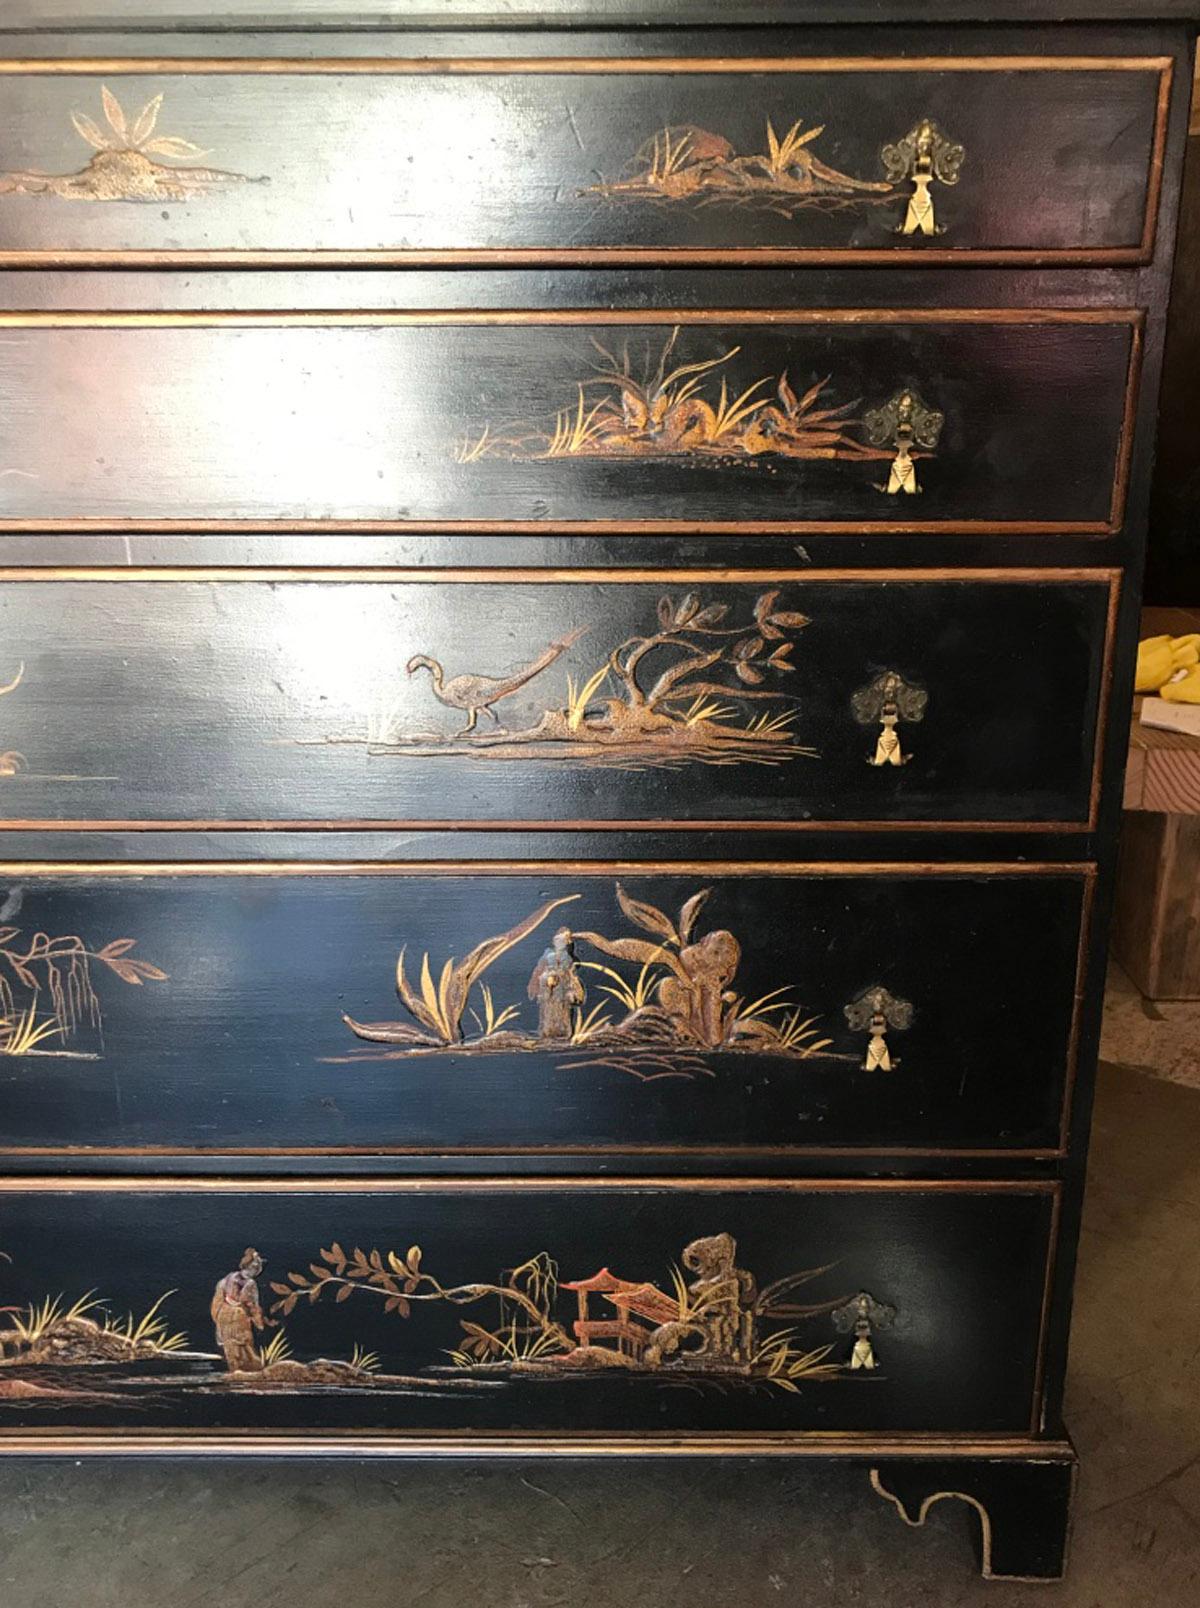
[
  {"x": 923, "y": 155},
  {"x": 237, "y": 1314},
  {"x": 556, "y": 989}
]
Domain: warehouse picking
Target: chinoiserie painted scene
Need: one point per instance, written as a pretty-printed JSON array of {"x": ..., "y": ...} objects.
[
  {"x": 625, "y": 157},
  {"x": 679, "y": 691},
  {"x": 470, "y": 1306},
  {"x": 658, "y": 1016},
  {"x": 837, "y": 419},
  {"x": 571, "y": 697},
  {"x": 416, "y": 1010},
  {"x": 692, "y": 165},
  {"x": 50, "y": 988},
  {"x": 659, "y": 409},
  {"x": 133, "y": 160}
]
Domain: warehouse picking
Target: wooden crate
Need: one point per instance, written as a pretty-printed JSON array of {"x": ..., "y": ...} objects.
[{"x": 1156, "y": 934}]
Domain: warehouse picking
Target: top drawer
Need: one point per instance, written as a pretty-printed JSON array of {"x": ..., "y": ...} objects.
[{"x": 632, "y": 159}]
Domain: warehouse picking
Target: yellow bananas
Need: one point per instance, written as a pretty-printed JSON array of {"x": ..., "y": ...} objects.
[
  {"x": 1160, "y": 658},
  {"x": 1185, "y": 690}
]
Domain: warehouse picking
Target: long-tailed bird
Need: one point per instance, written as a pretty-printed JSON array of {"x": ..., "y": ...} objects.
[{"x": 473, "y": 694}]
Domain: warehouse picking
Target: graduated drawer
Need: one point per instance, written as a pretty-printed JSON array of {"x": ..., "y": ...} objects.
[
  {"x": 631, "y": 158},
  {"x": 539, "y": 1008},
  {"x": 553, "y": 1308},
  {"x": 772, "y": 421},
  {"x": 580, "y": 698}
]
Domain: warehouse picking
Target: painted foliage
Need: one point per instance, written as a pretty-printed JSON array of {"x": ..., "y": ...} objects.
[
  {"x": 50, "y": 1001},
  {"x": 704, "y": 683},
  {"x": 691, "y": 166},
  {"x": 667, "y": 407},
  {"x": 654, "y": 1002},
  {"x": 709, "y": 1320},
  {"x": 688, "y": 165},
  {"x": 127, "y": 165}
]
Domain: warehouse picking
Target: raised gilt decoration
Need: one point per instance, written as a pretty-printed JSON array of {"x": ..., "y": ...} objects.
[
  {"x": 703, "y": 683},
  {"x": 710, "y": 1323},
  {"x": 670, "y": 408},
  {"x": 125, "y": 166},
  {"x": 656, "y": 1003},
  {"x": 49, "y": 1001},
  {"x": 684, "y": 163}
]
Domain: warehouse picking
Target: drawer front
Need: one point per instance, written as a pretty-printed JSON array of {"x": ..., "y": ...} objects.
[
  {"x": 576, "y": 697},
  {"x": 537, "y": 1008},
  {"x": 756, "y": 421},
  {"x": 627, "y": 159},
  {"x": 556, "y": 1309}
]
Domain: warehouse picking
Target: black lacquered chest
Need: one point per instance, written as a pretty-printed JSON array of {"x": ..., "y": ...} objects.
[{"x": 567, "y": 595}]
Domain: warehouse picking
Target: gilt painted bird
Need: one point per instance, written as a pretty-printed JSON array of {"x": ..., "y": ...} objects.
[{"x": 476, "y": 694}]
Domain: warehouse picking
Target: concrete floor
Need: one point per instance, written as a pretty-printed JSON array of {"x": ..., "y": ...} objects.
[
  {"x": 1160, "y": 1039},
  {"x": 674, "y": 1536}
]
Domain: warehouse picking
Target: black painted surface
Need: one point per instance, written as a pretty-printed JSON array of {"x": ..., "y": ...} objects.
[
  {"x": 1173, "y": 557},
  {"x": 268, "y": 700},
  {"x": 1055, "y": 159},
  {"x": 243, "y": 1045},
  {"x": 1024, "y": 1527},
  {"x": 385, "y": 423},
  {"x": 1058, "y": 455},
  {"x": 353, "y": 15},
  {"x": 964, "y": 1271}
]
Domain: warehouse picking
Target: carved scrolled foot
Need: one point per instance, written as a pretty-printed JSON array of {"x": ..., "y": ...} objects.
[{"x": 1023, "y": 1506}]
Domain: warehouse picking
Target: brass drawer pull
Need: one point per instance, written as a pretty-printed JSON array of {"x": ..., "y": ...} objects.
[
  {"x": 875, "y": 1011},
  {"x": 862, "y": 1316},
  {"x": 888, "y": 700},
  {"x": 905, "y": 423},
  {"x": 924, "y": 156}
]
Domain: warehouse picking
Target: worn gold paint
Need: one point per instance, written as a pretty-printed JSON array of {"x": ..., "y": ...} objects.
[{"x": 124, "y": 167}]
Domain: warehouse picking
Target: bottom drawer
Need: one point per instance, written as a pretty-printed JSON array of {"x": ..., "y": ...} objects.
[{"x": 548, "y": 1307}]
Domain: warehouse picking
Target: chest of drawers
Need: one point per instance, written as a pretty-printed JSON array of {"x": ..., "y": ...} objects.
[{"x": 564, "y": 585}]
